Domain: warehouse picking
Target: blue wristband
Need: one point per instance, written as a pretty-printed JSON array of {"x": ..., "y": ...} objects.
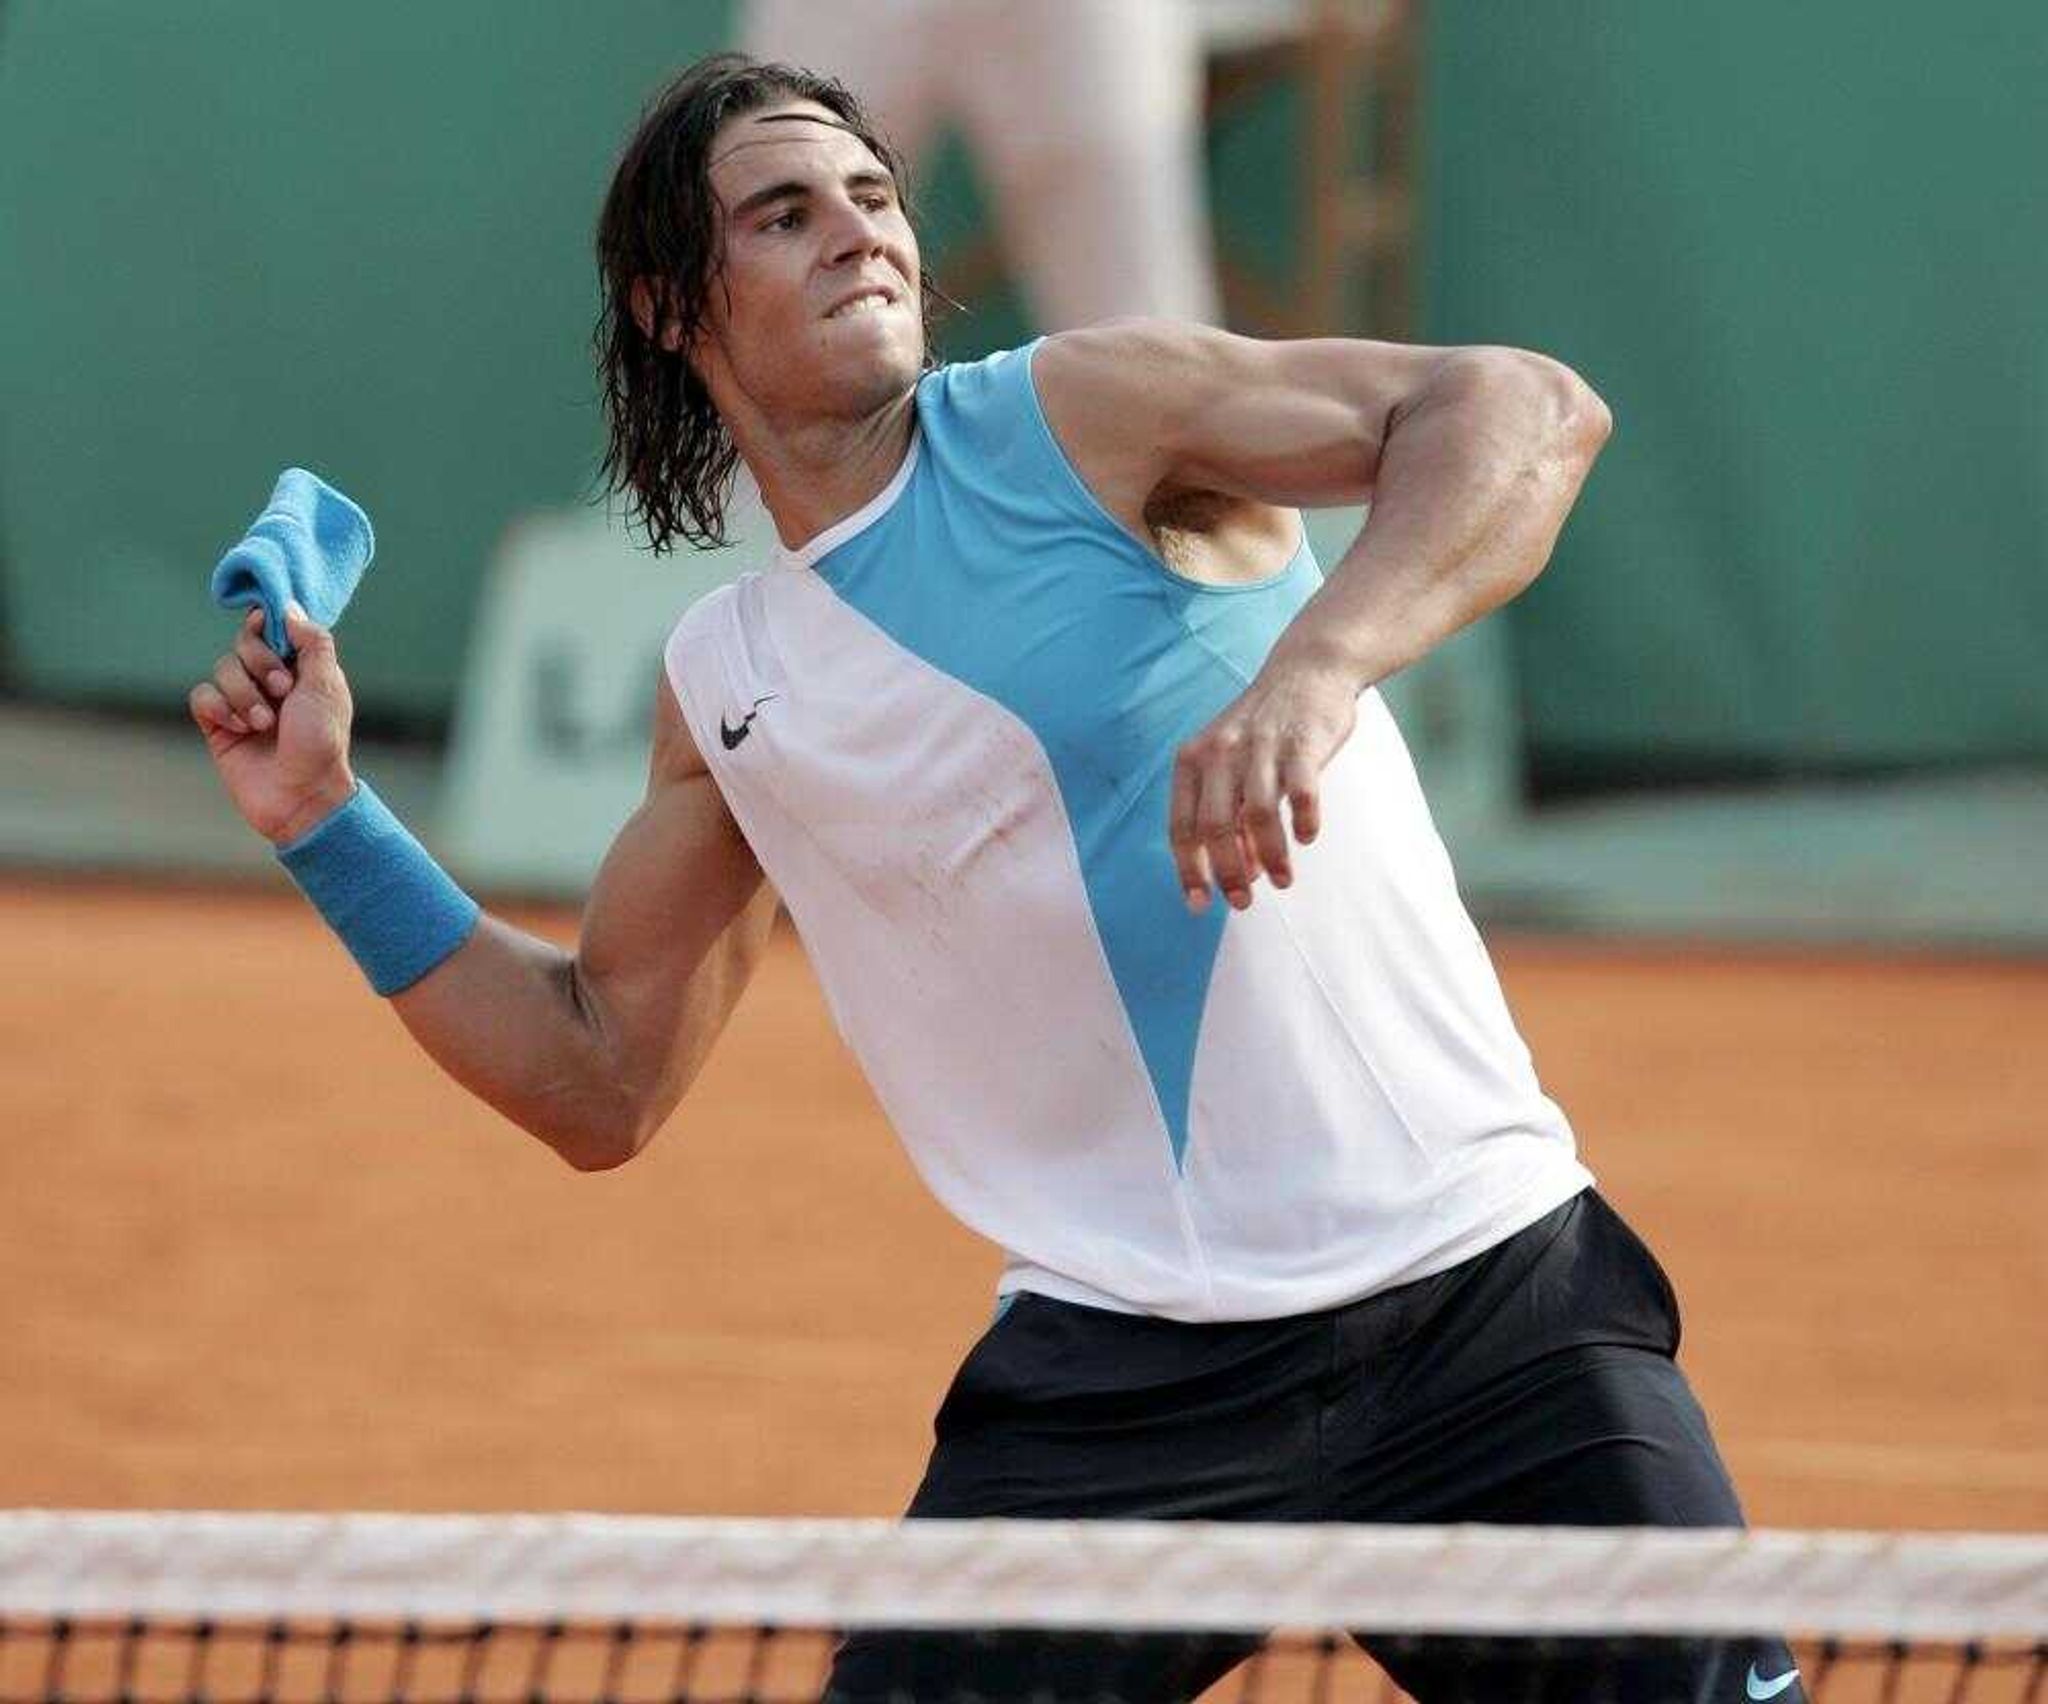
[{"x": 396, "y": 910}]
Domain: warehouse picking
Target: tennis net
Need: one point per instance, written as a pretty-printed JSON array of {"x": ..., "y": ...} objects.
[{"x": 120, "y": 1608}]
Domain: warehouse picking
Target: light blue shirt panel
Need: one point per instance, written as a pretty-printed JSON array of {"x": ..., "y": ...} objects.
[{"x": 998, "y": 567}]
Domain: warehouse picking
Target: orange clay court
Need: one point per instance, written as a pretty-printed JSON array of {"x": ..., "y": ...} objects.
[{"x": 259, "y": 1253}]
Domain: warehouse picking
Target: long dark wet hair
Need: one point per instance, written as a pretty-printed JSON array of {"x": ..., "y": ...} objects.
[{"x": 668, "y": 448}]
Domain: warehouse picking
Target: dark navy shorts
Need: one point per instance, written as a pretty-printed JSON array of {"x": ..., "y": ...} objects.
[{"x": 1533, "y": 1384}]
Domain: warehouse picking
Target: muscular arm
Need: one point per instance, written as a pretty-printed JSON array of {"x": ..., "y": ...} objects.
[
  {"x": 589, "y": 1050},
  {"x": 1471, "y": 459},
  {"x": 592, "y": 1050}
]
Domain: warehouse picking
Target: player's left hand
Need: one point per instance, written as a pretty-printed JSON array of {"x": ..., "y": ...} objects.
[{"x": 1225, "y": 822}]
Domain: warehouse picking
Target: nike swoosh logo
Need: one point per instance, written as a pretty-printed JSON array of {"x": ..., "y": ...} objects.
[
  {"x": 729, "y": 736},
  {"x": 1760, "y": 1689}
]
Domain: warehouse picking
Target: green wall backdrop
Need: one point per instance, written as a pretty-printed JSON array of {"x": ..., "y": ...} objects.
[
  {"x": 1802, "y": 250},
  {"x": 241, "y": 234}
]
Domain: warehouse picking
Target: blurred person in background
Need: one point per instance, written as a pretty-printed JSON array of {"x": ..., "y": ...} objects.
[
  {"x": 1085, "y": 120},
  {"x": 1043, "y": 668}
]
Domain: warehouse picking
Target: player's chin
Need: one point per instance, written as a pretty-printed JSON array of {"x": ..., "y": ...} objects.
[{"x": 876, "y": 366}]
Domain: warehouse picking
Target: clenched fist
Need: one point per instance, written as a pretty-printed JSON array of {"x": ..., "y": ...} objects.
[{"x": 278, "y": 731}]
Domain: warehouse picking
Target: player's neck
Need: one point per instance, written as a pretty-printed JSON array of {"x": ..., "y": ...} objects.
[{"x": 814, "y": 476}]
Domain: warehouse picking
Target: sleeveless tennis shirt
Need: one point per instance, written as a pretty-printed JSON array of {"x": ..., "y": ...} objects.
[{"x": 947, "y": 726}]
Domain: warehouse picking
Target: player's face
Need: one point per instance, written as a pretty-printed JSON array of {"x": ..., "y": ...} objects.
[{"x": 818, "y": 310}]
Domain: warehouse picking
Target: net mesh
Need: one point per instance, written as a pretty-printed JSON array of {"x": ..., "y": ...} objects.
[{"x": 128, "y": 1609}]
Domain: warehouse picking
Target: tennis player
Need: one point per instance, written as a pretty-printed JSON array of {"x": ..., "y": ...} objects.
[{"x": 1066, "y": 759}]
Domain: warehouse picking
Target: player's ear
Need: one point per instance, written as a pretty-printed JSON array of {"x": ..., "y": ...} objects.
[{"x": 642, "y": 302}]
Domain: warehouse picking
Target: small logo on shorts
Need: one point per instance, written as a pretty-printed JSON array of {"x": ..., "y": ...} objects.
[
  {"x": 1759, "y": 1688},
  {"x": 730, "y": 736}
]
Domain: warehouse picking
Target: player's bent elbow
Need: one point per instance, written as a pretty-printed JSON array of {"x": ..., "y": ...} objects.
[
  {"x": 1591, "y": 420},
  {"x": 587, "y": 1156},
  {"x": 594, "y": 1139},
  {"x": 1551, "y": 403},
  {"x": 1574, "y": 411},
  {"x": 606, "y": 1143},
  {"x": 583, "y": 1147}
]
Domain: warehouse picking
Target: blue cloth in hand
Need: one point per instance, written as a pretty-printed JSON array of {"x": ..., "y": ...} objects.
[{"x": 310, "y": 543}]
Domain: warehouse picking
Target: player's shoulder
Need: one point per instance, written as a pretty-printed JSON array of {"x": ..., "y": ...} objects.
[
  {"x": 1131, "y": 351},
  {"x": 979, "y": 421},
  {"x": 1137, "y": 352},
  {"x": 1136, "y": 376},
  {"x": 716, "y": 625},
  {"x": 704, "y": 616},
  {"x": 1119, "y": 368},
  {"x": 954, "y": 387}
]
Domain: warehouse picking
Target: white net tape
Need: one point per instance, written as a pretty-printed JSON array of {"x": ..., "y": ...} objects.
[{"x": 1126, "y": 1576}]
